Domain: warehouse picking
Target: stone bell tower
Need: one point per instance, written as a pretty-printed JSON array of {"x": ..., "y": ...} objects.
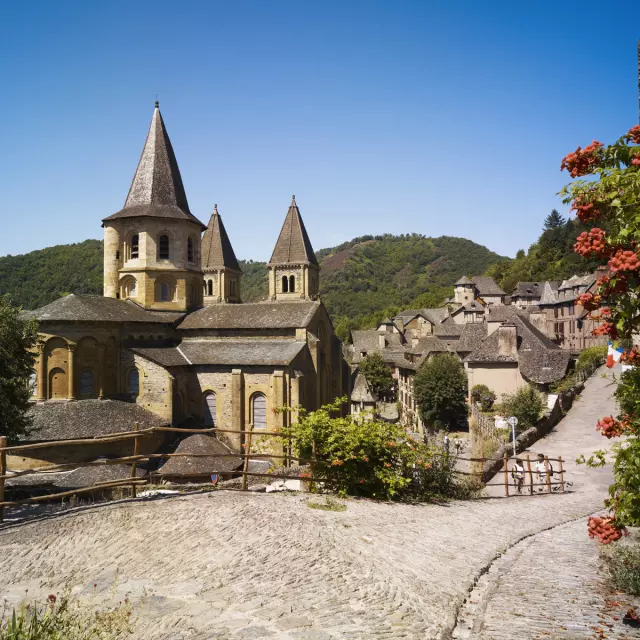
[
  {"x": 221, "y": 270},
  {"x": 152, "y": 245}
]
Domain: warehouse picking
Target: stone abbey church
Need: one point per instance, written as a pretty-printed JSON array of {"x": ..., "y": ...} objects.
[{"x": 171, "y": 339}]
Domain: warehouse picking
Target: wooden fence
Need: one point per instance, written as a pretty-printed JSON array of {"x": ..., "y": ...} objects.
[{"x": 133, "y": 460}]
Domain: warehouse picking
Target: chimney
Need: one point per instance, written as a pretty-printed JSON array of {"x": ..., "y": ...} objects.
[
  {"x": 507, "y": 340},
  {"x": 382, "y": 342},
  {"x": 414, "y": 341},
  {"x": 400, "y": 324}
]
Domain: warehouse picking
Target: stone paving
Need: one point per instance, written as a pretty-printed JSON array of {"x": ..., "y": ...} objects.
[{"x": 234, "y": 566}]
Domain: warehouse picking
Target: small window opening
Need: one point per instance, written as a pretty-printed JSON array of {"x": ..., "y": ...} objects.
[
  {"x": 285, "y": 284},
  {"x": 190, "y": 257},
  {"x": 134, "y": 246},
  {"x": 163, "y": 247},
  {"x": 210, "y": 288},
  {"x": 292, "y": 284}
]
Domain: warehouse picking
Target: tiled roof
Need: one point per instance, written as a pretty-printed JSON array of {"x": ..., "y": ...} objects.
[
  {"x": 254, "y": 315},
  {"x": 448, "y": 328},
  {"x": 293, "y": 245},
  {"x": 539, "y": 359},
  {"x": 487, "y": 286},
  {"x": 217, "y": 251},
  {"x": 463, "y": 280},
  {"x": 157, "y": 190},
  {"x": 76, "y": 478},
  {"x": 199, "y": 443},
  {"x": 225, "y": 352},
  {"x": 473, "y": 333},
  {"x": 87, "y": 419},
  {"x": 430, "y": 344},
  {"x": 86, "y": 308},
  {"x": 364, "y": 340}
]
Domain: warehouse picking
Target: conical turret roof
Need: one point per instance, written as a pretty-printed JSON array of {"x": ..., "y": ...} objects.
[
  {"x": 157, "y": 190},
  {"x": 217, "y": 251},
  {"x": 293, "y": 245}
]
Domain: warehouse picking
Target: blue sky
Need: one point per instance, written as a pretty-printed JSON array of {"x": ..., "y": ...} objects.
[{"x": 441, "y": 118}]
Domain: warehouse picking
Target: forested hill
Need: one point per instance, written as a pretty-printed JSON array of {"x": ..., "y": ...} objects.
[
  {"x": 37, "y": 278},
  {"x": 362, "y": 280}
]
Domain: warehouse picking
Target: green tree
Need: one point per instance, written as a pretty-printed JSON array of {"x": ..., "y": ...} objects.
[
  {"x": 378, "y": 376},
  {"x": 441, "y": 389},
  {"x": 553, "y": 220},
  {"x": 17, "y": 338},
  {"x": 526, "y": 404}
]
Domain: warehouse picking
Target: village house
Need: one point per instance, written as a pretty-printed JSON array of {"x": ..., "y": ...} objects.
[{"x": 171, "y": 340}]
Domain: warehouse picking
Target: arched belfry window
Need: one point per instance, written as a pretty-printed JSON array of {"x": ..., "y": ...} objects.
[
  {"x": 133, "y": 383},
  {"x": 165, "y": 292},
  {"x": 163, "y": 247},
  {"x": 210, "y": 288},
  {"x": 135, "y": 246},
  {"x": 285, "y": 284},
  {"x": 190, "y": 250},
  {"x": 292, "y": 284},
  {"x": 259, "y": 411},
  {"x": 210, "y": 408}
]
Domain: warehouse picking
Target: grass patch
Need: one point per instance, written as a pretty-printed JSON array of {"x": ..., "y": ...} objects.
[
  {"x": 63, "y": 618},
  {"x": 328, "y": 505},
  {"x": 622, "y": 562}
]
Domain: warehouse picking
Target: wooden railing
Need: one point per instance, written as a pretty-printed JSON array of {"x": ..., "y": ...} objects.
[{"x": 133, "y": 460}]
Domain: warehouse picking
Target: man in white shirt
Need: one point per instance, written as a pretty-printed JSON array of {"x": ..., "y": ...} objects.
[{"x": 541, "y": 470}]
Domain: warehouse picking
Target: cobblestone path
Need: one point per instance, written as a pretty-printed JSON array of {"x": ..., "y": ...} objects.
[{"x": 234, "y": 566}]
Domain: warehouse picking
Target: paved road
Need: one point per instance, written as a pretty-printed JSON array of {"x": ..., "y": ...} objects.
[{"x": 234, "y": 566}]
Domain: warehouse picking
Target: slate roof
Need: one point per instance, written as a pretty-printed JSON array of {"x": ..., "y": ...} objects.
[
  {"x": 254, "y": 315},
  {"x": 435, "y": 315},
  {"x": 463, "y": 280},
  {"x": 430, "y": 344},
  {"x": 528, "y": 289},
  {"x": 224, "y": 352},
  {"x": 361, "y": 391},
  {"x": 487, "y": 286},
  {"x": 87, "y": 419},
  {"x": 88, "y": 308},
  {"x": 539, "y": 359},
  {"x": 448, "y": 328},
  {"x": 157, "y": 190},
  {"x": 200, "y": 443},
  {"x": 473, "y": 333},
  {"x": 365, "y": 340},
  {"x": 217, "y": 251},
  {"x": 293, "y": 245},
  {"x": 76, "y": 478}
]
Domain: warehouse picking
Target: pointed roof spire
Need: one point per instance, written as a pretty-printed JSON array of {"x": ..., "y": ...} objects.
[
  {"x": 217, "y": 251},
  {"x": 293, "y": 245},
  {"x": 157, "y": 190}
]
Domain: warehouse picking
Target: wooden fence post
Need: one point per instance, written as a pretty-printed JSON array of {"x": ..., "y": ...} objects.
[
  {"x": 548, "y": 475},
  {"x": 561, "y": 473},
  {"x": 506, "y": 474},
  {"x": 3, "y": 471},
  {"x": 134, "y": 489},
  {"x": 247, "y": 451},
  {"x": 530, "y": 474}
]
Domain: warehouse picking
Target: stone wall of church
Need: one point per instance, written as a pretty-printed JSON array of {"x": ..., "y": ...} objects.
[{"x": 156, "y": 384}]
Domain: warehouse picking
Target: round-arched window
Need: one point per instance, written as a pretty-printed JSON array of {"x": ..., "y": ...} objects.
[
  {"x": 133, "y": 383},
  {"x": 163, "y": 247},
  {"x": 190, "y": 250},
  {"x": 259, "y": 411},
  {"x": 210, "y": 407},
  {"x": 285, "y": 284},
  {"x": 134, "y": 244}
]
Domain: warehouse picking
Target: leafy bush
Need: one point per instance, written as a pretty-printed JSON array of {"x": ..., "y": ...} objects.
[
  {"x": 441, "y": 390},
  {"x": 591, "y": 356},
  {"x": 622, "y": 561},
  {"x": 65, "y": 619},
  {"x": 526, "y": 404},
  {"x": 378, "y": 376},
  {"x": 483, "y": 395},
  {"x": 372, "y": 458}
]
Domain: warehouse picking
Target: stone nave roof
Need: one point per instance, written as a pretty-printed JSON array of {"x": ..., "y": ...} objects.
[
  {"x": 293, "y": 245},
  {"x": 157, "y": 190},
  {"x": 88, "y": 308},
  {"x": 217, "y": 251},
  {"x": 252, "y": 315},
  {"x": 224, "y": 352}
]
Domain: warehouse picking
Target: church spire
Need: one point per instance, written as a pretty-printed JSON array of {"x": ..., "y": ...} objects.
[
  {"x": 217, "y": 251},
  {"x": 293, "y": 245},
  {"x": 157, "y": 190},
  {"x": 294, "y": 272},
  {"x": 222, "y": 273}
]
